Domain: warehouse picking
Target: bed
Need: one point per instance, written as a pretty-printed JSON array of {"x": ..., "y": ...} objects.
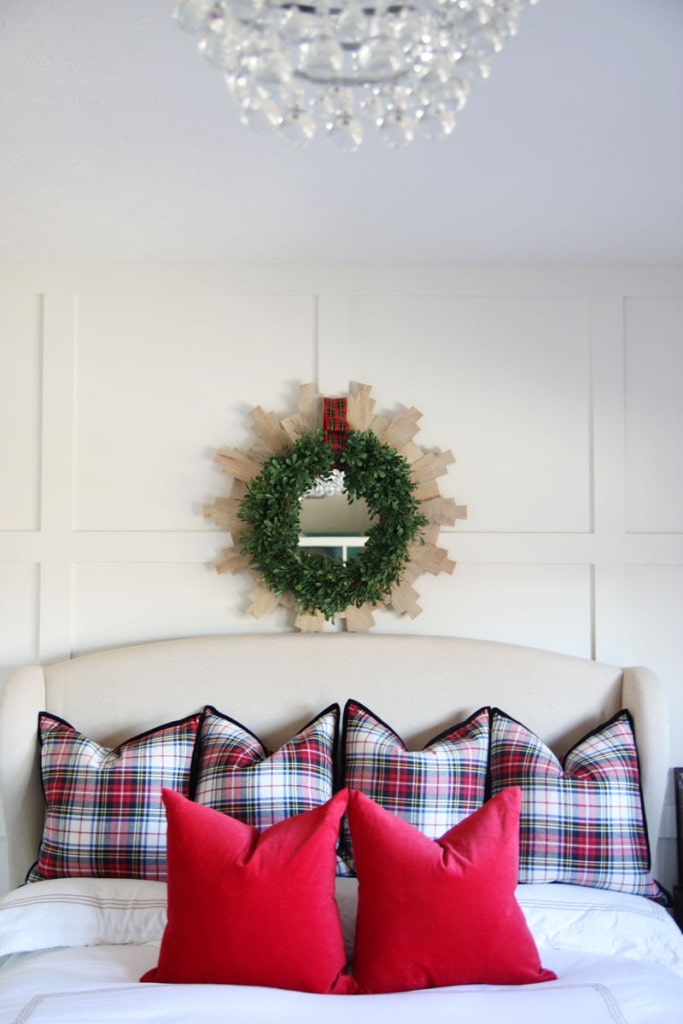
[{"x": 383, "y": 826}]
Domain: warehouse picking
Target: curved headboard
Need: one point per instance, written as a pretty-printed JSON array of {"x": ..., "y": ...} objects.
[{"x": 275, "y": 683}]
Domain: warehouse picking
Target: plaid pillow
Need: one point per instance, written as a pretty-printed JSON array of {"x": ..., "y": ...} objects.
[
  {"x": 104, "y": 813},
  {"x": 582, "y": 820},
  {"x": 433, "y": 789},
  {"x": 237, "y": 775}
]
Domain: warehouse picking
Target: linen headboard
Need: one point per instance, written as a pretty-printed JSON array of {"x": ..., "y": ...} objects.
[{"x": 275, "y": 683}]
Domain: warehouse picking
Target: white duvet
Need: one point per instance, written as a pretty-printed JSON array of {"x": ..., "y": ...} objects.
[{"x": 619, "y": 960}]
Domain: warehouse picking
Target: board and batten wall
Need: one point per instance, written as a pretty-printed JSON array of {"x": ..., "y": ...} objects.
[{"x": 559, "y": 391}]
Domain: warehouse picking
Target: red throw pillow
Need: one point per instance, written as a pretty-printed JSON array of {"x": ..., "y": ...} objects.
[
  {"x": 252, "y": 908},
  {"x": 440, "y": 912}
]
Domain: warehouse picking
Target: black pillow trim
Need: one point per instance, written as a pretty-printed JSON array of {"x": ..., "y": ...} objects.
[
  {"x": 351, "y": 702},
  {"x": 209, "y": 709}
]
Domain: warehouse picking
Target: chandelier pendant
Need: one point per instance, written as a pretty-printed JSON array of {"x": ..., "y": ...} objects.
[{"x": 402, "y": 69}]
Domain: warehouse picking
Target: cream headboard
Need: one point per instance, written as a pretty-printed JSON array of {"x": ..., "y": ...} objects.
[{"x": 274, "y": 683}]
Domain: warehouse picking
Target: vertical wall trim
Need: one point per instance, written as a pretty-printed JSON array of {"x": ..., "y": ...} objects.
[
  {"x": 42, "y": 391},
  {"x": 591, "y": 418},
  {"x": 592, "y": 613},
  {"x": 57, "y": 474},
  {"x": 609, "y": 475},
  {"x": 316, "y": 341}
]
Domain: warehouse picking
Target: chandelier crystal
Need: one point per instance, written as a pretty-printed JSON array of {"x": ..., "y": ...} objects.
[
  {"x": 325, "y": 487},
  {"x": 404, "y": 69}
]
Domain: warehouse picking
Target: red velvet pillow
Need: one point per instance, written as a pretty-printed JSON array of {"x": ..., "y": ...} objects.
[
  {"x": 252, "y": 908},
  {"x": 440, "y": 912}
]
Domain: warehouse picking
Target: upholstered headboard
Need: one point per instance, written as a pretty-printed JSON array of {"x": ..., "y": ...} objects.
[{"x": 275, "y": 683}]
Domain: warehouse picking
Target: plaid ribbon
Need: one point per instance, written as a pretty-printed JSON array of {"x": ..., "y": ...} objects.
[{"x": 335, "y": 426}]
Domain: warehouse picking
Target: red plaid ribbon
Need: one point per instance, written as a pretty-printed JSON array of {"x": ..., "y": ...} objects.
[{"x": 335, "y": 426}]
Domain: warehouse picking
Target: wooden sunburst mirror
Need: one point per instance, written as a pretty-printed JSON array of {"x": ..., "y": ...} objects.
[{"x": 382, "y": 464}]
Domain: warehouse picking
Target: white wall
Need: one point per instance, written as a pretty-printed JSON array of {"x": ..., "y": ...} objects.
[{"x": 557, "y": 389}]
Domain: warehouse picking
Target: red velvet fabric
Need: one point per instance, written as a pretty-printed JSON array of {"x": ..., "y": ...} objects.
[
  {"x": 252, "y": 908},
  {"x": 442, "y": 912}
]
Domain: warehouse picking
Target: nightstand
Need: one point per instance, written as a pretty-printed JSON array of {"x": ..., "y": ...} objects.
[{"x": 678, "y": 889}]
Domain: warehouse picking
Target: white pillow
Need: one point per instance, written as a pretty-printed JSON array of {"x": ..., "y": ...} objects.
[
  {"x": 101, "y": 911},
  {"x": 108, "y": 911},
  {"x": 81, "y": 912},
  {"x": 346, "y": 895},
  {"x": 575, "y": 917}
]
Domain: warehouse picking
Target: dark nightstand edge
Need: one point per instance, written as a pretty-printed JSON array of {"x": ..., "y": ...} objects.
[{"x": 678, "y": 889}]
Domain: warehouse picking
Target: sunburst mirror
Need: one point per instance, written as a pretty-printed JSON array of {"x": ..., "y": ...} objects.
[{"x": 335, "y": 511}]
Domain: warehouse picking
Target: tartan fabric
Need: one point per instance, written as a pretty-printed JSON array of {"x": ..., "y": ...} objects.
[
  {"x": 335, "y": 426},
  {"x": 104, "y": 814},
  {"x": 432, "y": 789},
  {"x": 582, "y": 820},
  {"x": 237, "y": 775}
]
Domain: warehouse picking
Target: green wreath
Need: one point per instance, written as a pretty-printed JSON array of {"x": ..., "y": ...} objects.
[{"x": 270, "y": 511}]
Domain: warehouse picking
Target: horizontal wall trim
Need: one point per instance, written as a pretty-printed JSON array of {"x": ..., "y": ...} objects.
[
  {"x": 201, "y": 545},
  {"x": 341, "y": 279}
]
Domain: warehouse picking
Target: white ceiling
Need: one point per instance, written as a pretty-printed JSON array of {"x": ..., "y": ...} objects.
[{"x": 118, "y": 143}]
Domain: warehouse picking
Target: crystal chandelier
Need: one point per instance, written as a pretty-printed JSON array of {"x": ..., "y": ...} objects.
[{"x": 339, "y": 66}]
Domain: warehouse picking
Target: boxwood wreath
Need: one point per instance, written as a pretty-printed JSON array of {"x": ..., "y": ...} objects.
[
  {"x": 270, "y": 510},
  {"x": 383, "y": 465}
]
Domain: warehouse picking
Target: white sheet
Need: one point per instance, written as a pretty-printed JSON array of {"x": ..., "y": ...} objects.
[{"x": 98, "y": 985}]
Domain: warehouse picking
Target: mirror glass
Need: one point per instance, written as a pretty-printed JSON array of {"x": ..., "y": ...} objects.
[
  {"x": 332, "y": 525},
  {"x": 334, "y": 516}
]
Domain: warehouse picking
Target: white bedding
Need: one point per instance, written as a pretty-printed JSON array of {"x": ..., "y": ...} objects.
[
  {"x": 98, "y": 985},
  {"x": 618, "y": 958}
]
